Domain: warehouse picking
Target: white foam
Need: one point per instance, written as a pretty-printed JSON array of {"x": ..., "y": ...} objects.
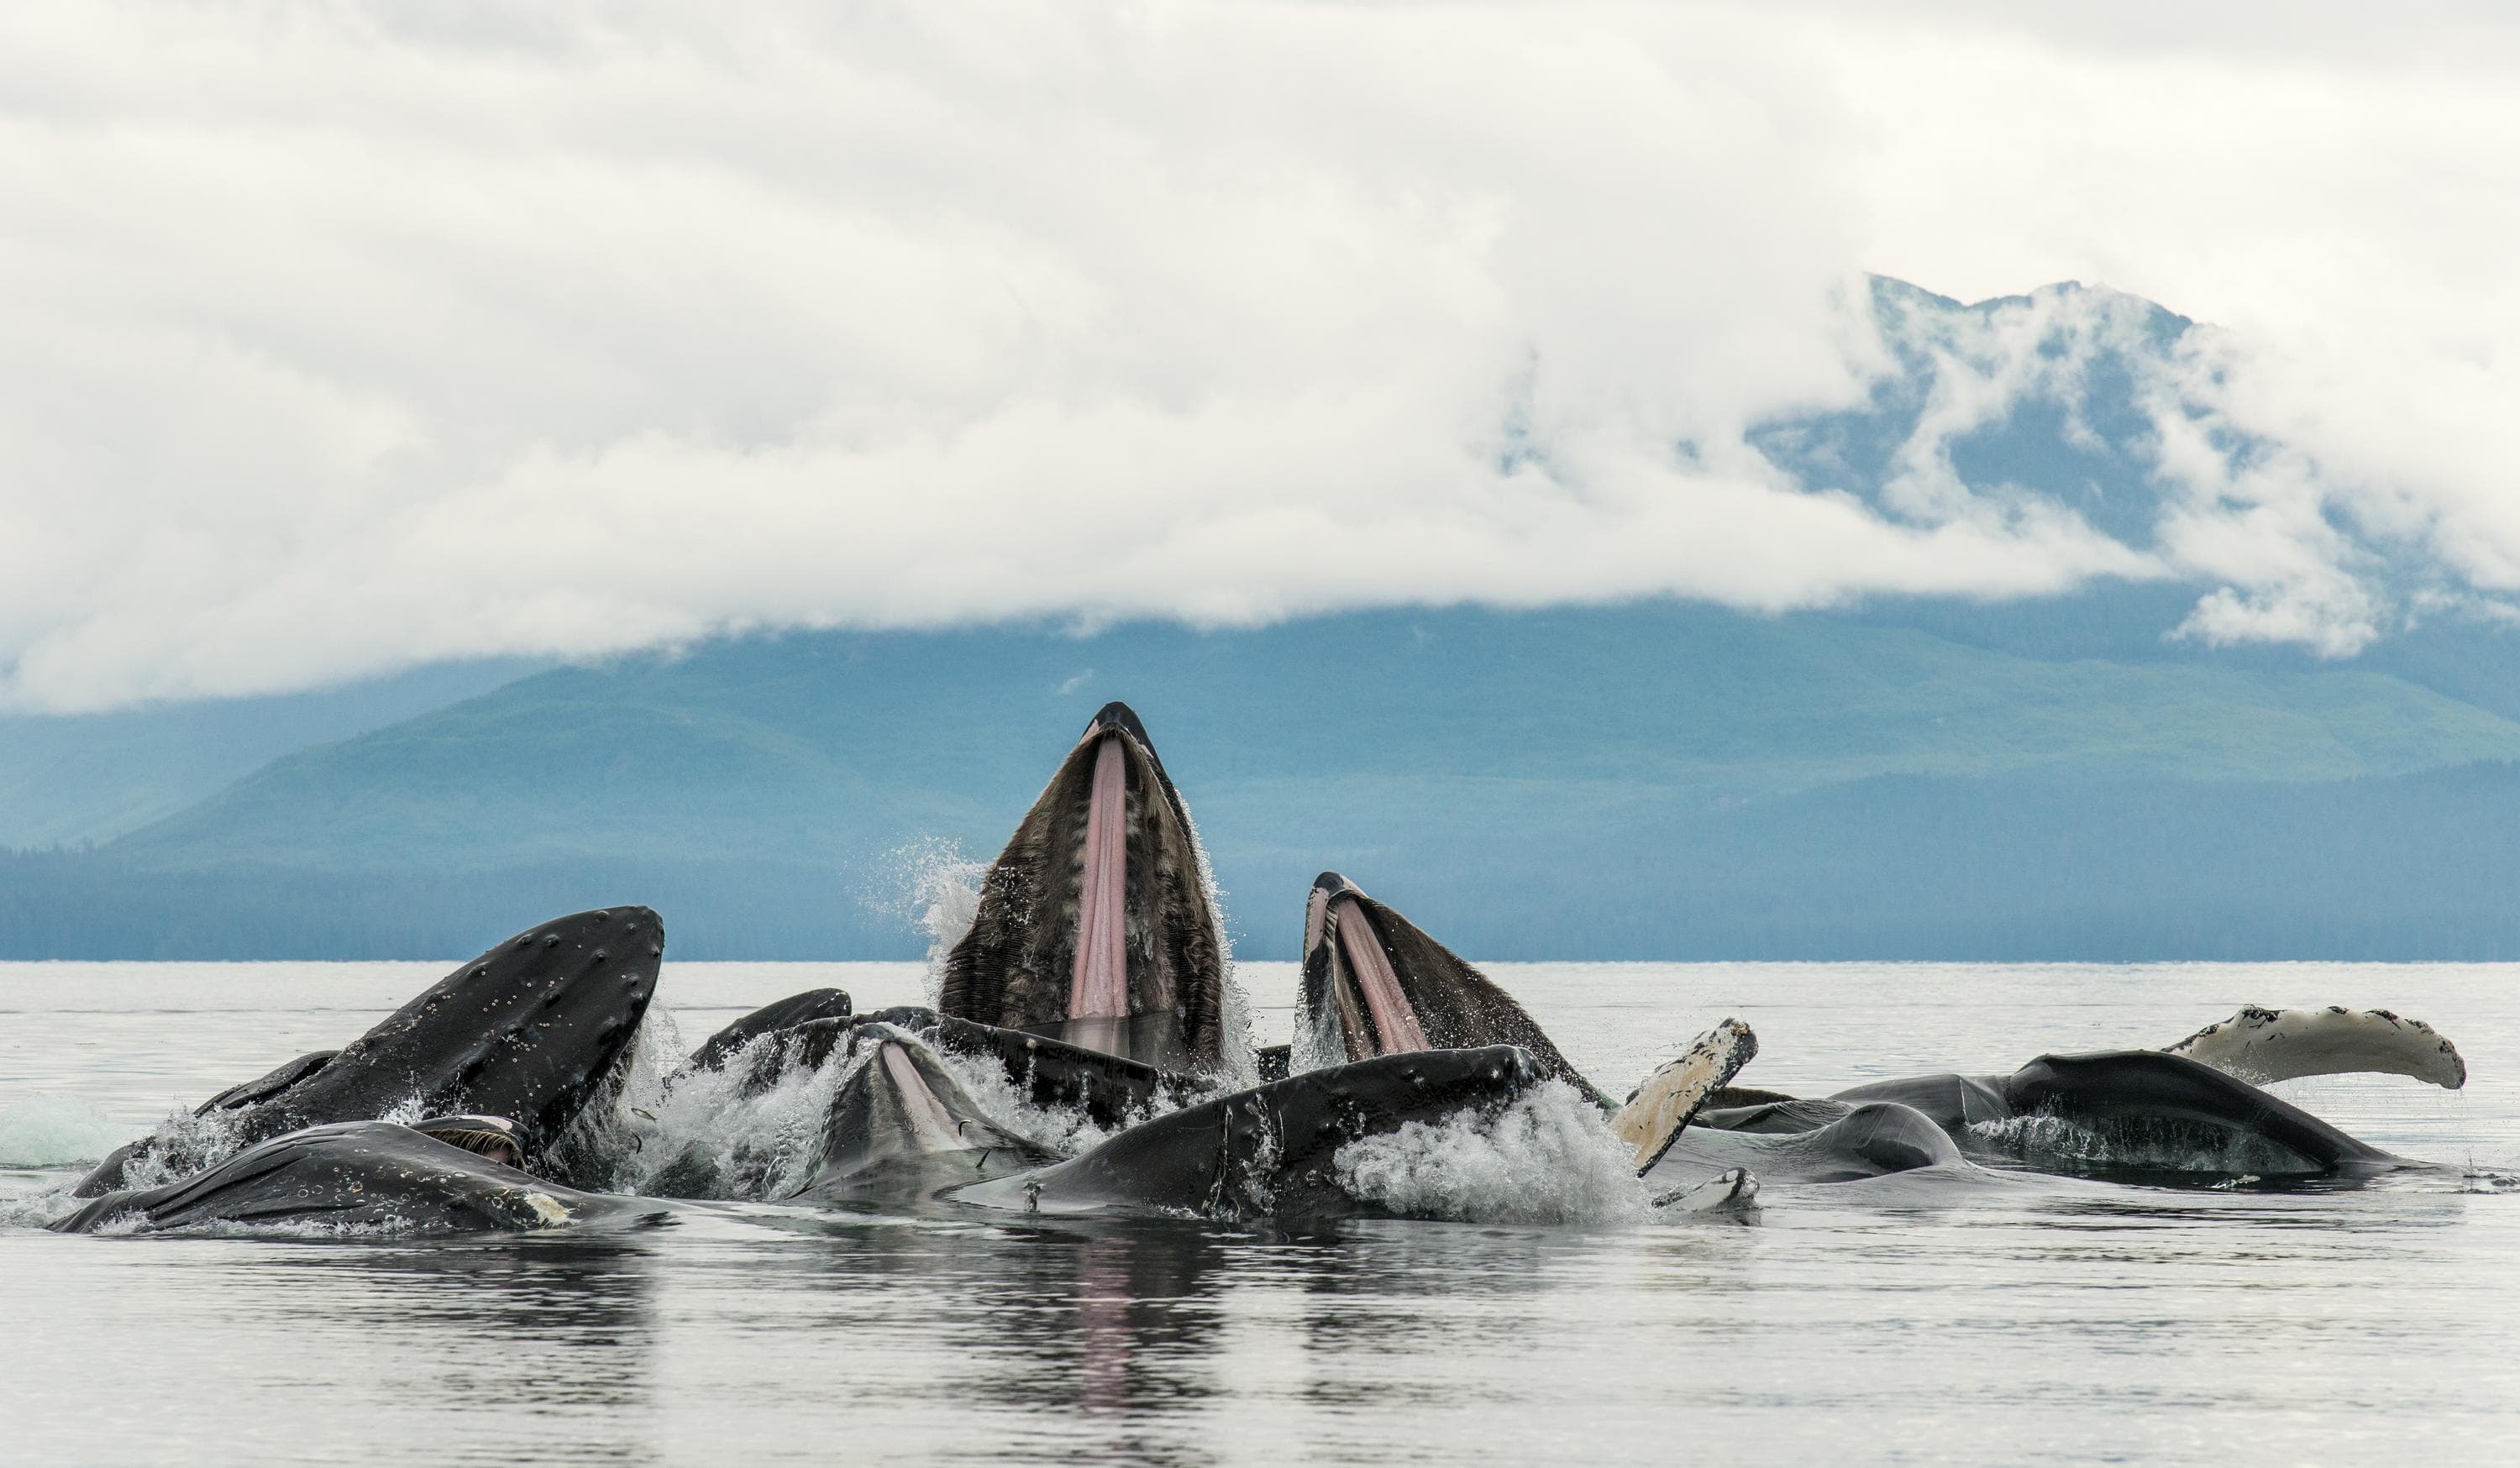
[
  {"x": 700, "y": 1133},
  {"x": 1546, "y": 1159},
  {"x": 703, "y": 1132}
]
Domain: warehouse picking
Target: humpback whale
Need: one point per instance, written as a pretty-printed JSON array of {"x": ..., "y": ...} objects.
[
  {"x": 432, "y": 1178},
  {"x": 2130, "y": 1115},
  {"x": 1094, "y": 926},
  {"x": 902, "y": 1130},
  {"x": 1112, "y": 1092},
  {"x": 901, "y": 1127},
  {"x": 1266, "y": 1152},
  {"x": 787, "y": 1014},
  {"x": 1373, "y": 983},
  {"x": 2192, "y": 1109},
  {"x": 1836, "y": 1142},
  {"x": 532, "y": 1031},
  {"x": 1092, "y": 972}
]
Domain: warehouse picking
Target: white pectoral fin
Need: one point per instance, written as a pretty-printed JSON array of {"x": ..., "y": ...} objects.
[
  {"x": 2279, "y": 1045},
  {"x": 1672, "y": 1095}
]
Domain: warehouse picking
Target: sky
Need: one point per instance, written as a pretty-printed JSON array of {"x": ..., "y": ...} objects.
[{"x": 342, "y": 337}]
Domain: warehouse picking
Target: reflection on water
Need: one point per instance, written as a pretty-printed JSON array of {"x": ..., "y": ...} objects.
[{"x": 2025, "y": 1320}]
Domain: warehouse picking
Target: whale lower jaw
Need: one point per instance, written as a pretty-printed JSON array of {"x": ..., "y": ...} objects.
[
  {"x": 352, "y": 1177},
  {"x": 1267, "y": 1152}
]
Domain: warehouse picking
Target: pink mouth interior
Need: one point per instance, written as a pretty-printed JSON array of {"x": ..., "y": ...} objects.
[
  {"x": 1099, "y": 986},
  {"x": 929, "y": 1121},
  {"x": 1316, "y": 909},
  {"x": 1394, "y": 1020}
]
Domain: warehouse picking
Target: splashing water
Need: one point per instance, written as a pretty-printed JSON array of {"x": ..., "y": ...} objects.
[
  {"x": 184, "y": 1144},
  {"x": 1546, "y": 1159},
  {"x": 720, "y": 1134},
  {"x": 933, "y": 884},
  {"x": 1317, "y": 1043},
  {"x": 42, "y": 1131},
  {"x": 711, "y": 1135},
  {"x": 1240, "y": 1056}
]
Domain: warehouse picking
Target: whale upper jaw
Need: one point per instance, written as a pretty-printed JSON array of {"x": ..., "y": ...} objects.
[
  {"x": 1095, "y": 924},
  {"x": 1373, "y": 983}
]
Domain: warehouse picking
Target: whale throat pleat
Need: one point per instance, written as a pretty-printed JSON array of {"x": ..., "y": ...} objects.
[{"x": 1098, "y": 987}]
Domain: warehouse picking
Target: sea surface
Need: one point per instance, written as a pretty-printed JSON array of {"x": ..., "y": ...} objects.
[{"x": 2022, "y": 1324}]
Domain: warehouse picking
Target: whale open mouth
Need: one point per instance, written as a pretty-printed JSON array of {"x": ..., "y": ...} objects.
[
  {"x": 1099, "y": 986},
  {"x": 1101, "y": 1010},
  {"x": 1094, "y": 926},
  {"x": 1368, "y": 964},
  {"x": 1376, "y": 1014},
  {"x": 1376, "y": 984},
  {"x": 493, "y": 1136}
]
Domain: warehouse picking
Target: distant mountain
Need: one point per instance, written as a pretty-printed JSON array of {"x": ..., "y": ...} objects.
[
  {"x": 1518, "y": 779},
  {"x": 71, "y": 780},
  {"x": 2054, "y": 778}
]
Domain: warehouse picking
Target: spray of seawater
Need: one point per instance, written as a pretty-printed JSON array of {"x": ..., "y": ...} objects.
[
  {"x": 725, "y": 1134},
  {"x": 43, "y": 1131},
  {"x": 931, "y": 883},
  {"x": 1546, "y": 1159},
  {"x": 1241, "y": 1059},
  {"x": 721, "y": 1134}
]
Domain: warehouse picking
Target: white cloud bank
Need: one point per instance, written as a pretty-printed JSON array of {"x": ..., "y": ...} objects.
[{"x": 339, "y": 338}]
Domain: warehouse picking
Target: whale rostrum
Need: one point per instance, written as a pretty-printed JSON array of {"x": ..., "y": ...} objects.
[
  {"x": 532, "y": 1031},
  {"x": 1373, "y": 983},
  {"x": 1095, "y": 924}
]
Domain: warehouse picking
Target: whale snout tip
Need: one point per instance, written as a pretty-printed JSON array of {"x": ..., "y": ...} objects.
[
  {"x": 1119, "y": 716},
  {"x": 1333, "y": 883}
]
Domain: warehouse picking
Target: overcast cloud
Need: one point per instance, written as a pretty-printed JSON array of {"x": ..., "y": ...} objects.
[{"x": 339, "y": 338}]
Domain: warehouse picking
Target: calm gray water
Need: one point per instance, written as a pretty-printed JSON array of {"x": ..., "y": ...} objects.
[{"x": 2028, "y": 1323}]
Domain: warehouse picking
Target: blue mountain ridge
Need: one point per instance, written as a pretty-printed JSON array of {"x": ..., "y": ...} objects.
[{"x": 2054, "y": 778}]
